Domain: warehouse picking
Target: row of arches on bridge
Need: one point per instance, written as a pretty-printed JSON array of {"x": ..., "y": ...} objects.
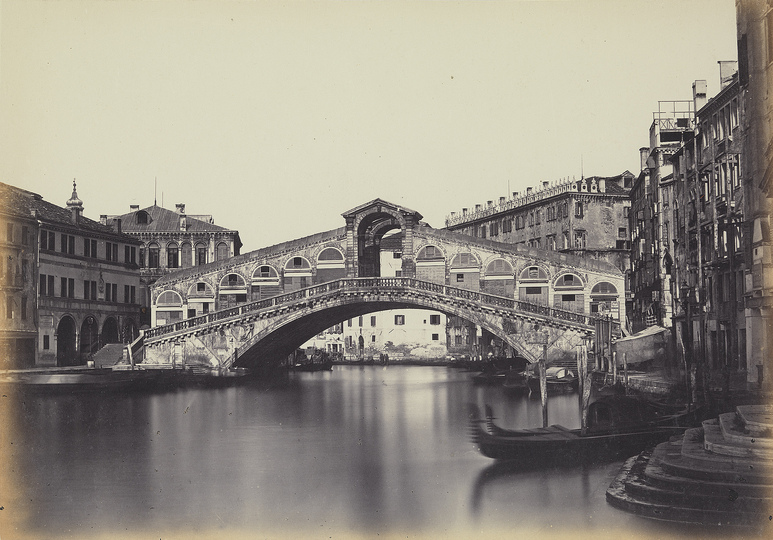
[
  {"x": 77, "y": 338},
  {"x": 533, "y": 283}
]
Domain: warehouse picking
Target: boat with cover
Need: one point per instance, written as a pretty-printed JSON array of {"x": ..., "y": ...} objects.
[
  {"x": 559, "y": 380},
  {"x": 618, "y": 426}
]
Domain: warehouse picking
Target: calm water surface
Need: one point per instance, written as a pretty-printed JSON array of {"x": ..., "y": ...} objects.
[{"x": 363, "y": 451}]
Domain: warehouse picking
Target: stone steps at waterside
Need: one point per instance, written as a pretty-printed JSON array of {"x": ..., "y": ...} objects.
[{"x": 686, "y": 480}]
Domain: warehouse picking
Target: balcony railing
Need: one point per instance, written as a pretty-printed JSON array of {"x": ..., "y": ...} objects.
[{"x": 378, "y": 286}]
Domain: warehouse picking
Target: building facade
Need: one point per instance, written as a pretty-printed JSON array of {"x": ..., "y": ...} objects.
[
  {"x": 85, "y": 278},
  {"x": 652, "y": 205},
  {"x": 18, "y": 282},
  {"x": 587, "y": 217},
  {"x": 174, "y": 240}
]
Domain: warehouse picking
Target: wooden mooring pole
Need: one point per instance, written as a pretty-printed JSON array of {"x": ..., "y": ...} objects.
[
  {"x": 586, "y": 388},
  {"x": 543, "y": 385}
]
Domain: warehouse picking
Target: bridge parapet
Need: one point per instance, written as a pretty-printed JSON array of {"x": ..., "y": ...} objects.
[{"x": 390, "y": 286}]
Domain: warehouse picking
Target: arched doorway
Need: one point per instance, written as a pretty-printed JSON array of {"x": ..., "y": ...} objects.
[
  {"x": 65, "y": 343},
  {"x": 130, "y": 331},
  {"x": 89, "y": 336},
  {"x": 110, "y": 331}
]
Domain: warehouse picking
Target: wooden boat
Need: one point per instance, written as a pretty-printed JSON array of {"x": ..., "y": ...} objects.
[
  {"x": 516, "y": 382},
  {"x": 618, "y": 426},
  {"x": 86, "y": 380},
  {"x": 496, "y": 370},
  {"x": 559, "y": 380}
]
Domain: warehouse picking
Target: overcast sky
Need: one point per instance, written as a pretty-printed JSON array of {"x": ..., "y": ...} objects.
[{"x": 276, "y": 117}]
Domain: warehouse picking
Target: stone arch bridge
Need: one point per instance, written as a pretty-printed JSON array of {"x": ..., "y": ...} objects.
[{"x": 259, "y": 306}]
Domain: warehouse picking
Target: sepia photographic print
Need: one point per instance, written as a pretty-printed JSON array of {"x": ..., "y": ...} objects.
[{"x": 405, "y": 269}]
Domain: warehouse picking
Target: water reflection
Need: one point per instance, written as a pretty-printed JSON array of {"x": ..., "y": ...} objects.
[{"x": 362, "y": 449}]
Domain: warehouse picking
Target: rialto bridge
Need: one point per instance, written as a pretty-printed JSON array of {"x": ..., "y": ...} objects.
[{"x": 260, "y": 306}]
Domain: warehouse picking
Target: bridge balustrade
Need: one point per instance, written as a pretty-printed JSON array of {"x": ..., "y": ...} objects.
[{"x": 380, "y": 283}]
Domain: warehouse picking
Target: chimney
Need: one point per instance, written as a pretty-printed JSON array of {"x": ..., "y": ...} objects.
[
  {"x": 134, "y": 207},
  {"x": 699, "y": 94},
  {"x": 545, "y": 184},
  {"x": 180, "y": 208},
  {"x": 501, "y": 200},
  {"x": 515, "y": 194},
  {"x": 183, "y": 220},
  {"x": 464, "y": 211},
  {"x": 727, "y": 68},
  {"x": 489, "y": 203},
  {"x": 103, "y": 219},
  {"x": 644, "y": 153},
  {"x": 477, "y": 208},
  {"x": 453, "y": 214},
  {"x": 528, "y": 190}
]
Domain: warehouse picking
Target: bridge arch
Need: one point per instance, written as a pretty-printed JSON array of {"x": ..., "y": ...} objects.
[
  {"x": 265, "y": 282},
  {"x": 331, "y": 265},
  {"x": 431, "y": 263},
  {"x": 169, "y": 307},
  {"x": 297, "y": 272},
  {"x": 569, "y": 292},
  {"x": 534, "y": 284},
  {"x": 464, "y": 271},
  {"x": 604, "y": 298},
  {"x": 499, "y": 277},
  {"x": 281, "y": 336}
]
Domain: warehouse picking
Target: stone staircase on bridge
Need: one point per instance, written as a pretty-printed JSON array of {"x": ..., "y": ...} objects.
[{"x": 109, "y": 355}]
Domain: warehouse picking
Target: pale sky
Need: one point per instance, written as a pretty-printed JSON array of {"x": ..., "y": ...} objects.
[{"x": 276, "y": 117}]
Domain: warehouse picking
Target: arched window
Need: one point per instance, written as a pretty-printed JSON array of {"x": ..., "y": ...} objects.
[
  {"x": 186, "y": 255},
  {"x": 153, "y": 255},
  {"x": 265, "y": 283},
  {"x": 201, "y": 254},
  {"x": 222, "y": 252},
  {"x": 533, "y": 285},
  {"x": 169, "y": 298},
  {"x": 172, "y": 255},
  {"x": 429, "y": 253},
  {"x": 330, "y": 265},
  {"x": 141, "y": 217}
]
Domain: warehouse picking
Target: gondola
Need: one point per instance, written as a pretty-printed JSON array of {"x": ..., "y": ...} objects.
[{"x": 618, "y": 426}]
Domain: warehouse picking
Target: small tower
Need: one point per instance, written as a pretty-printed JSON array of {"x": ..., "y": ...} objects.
[{"x": 75, "y": 205}]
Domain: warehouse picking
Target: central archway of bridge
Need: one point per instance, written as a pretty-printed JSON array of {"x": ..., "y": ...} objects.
[{"x": 261, "y": 305}]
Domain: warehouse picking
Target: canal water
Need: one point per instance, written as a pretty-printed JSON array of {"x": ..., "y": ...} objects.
[{"x": 355, "y": 452}]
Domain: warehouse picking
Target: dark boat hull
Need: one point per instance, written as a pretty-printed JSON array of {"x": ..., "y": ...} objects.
[{"x": 556, "y": 443}]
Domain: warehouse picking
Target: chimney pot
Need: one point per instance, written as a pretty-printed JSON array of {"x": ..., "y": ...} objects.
[
  {"x": 134, "y": 207},
  {"x": 180, "y": 208}
]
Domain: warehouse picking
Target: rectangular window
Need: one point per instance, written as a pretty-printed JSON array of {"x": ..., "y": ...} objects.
[
  {"x": 626, "y": 211},
  {"x": 397, "y": 255},
  {"x": 133, "y": 296},
  {"x": 9, "y": 232},
  {"x": 567, "y": 298},
  {"x": 201, "y": 255},
  {"x": 538, "y": 217},
  {"x": 457, "y": 340},
  {"x": 24, "y": 308},
  {"x": 578, "y": 209},
  {"x": 360, "y": 321},
  {"x": 434, "y": 319},
  {"x": 125, "y": 294},
  {"x": 142, "y": 258},
  {"x": 622, "y": 233},
  {"x": 399, "y": 320},
  {"x": 435, "y": 337},
  {"x": 533, "y": 290},
  {"x": 9, "y": 307},
  {"x": 43, "y": 239},
  {"x": 63, "y": 287},
  {"x": 349, "y": 323},
  {"x": 70, "y": 288},
  {"x": 89, "y": 248},
  {"x": 373, "y": 339},
  {"x": 46, "y": 342},
  {"x": 51, "y": 286},
  {"x": 297, "y": 261},
  {"x": 25, "y": 235},
  {"x": 460, "y": 278},
  {"x": 373, "y": 320},
  {"x": 24, "y": 270}
]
